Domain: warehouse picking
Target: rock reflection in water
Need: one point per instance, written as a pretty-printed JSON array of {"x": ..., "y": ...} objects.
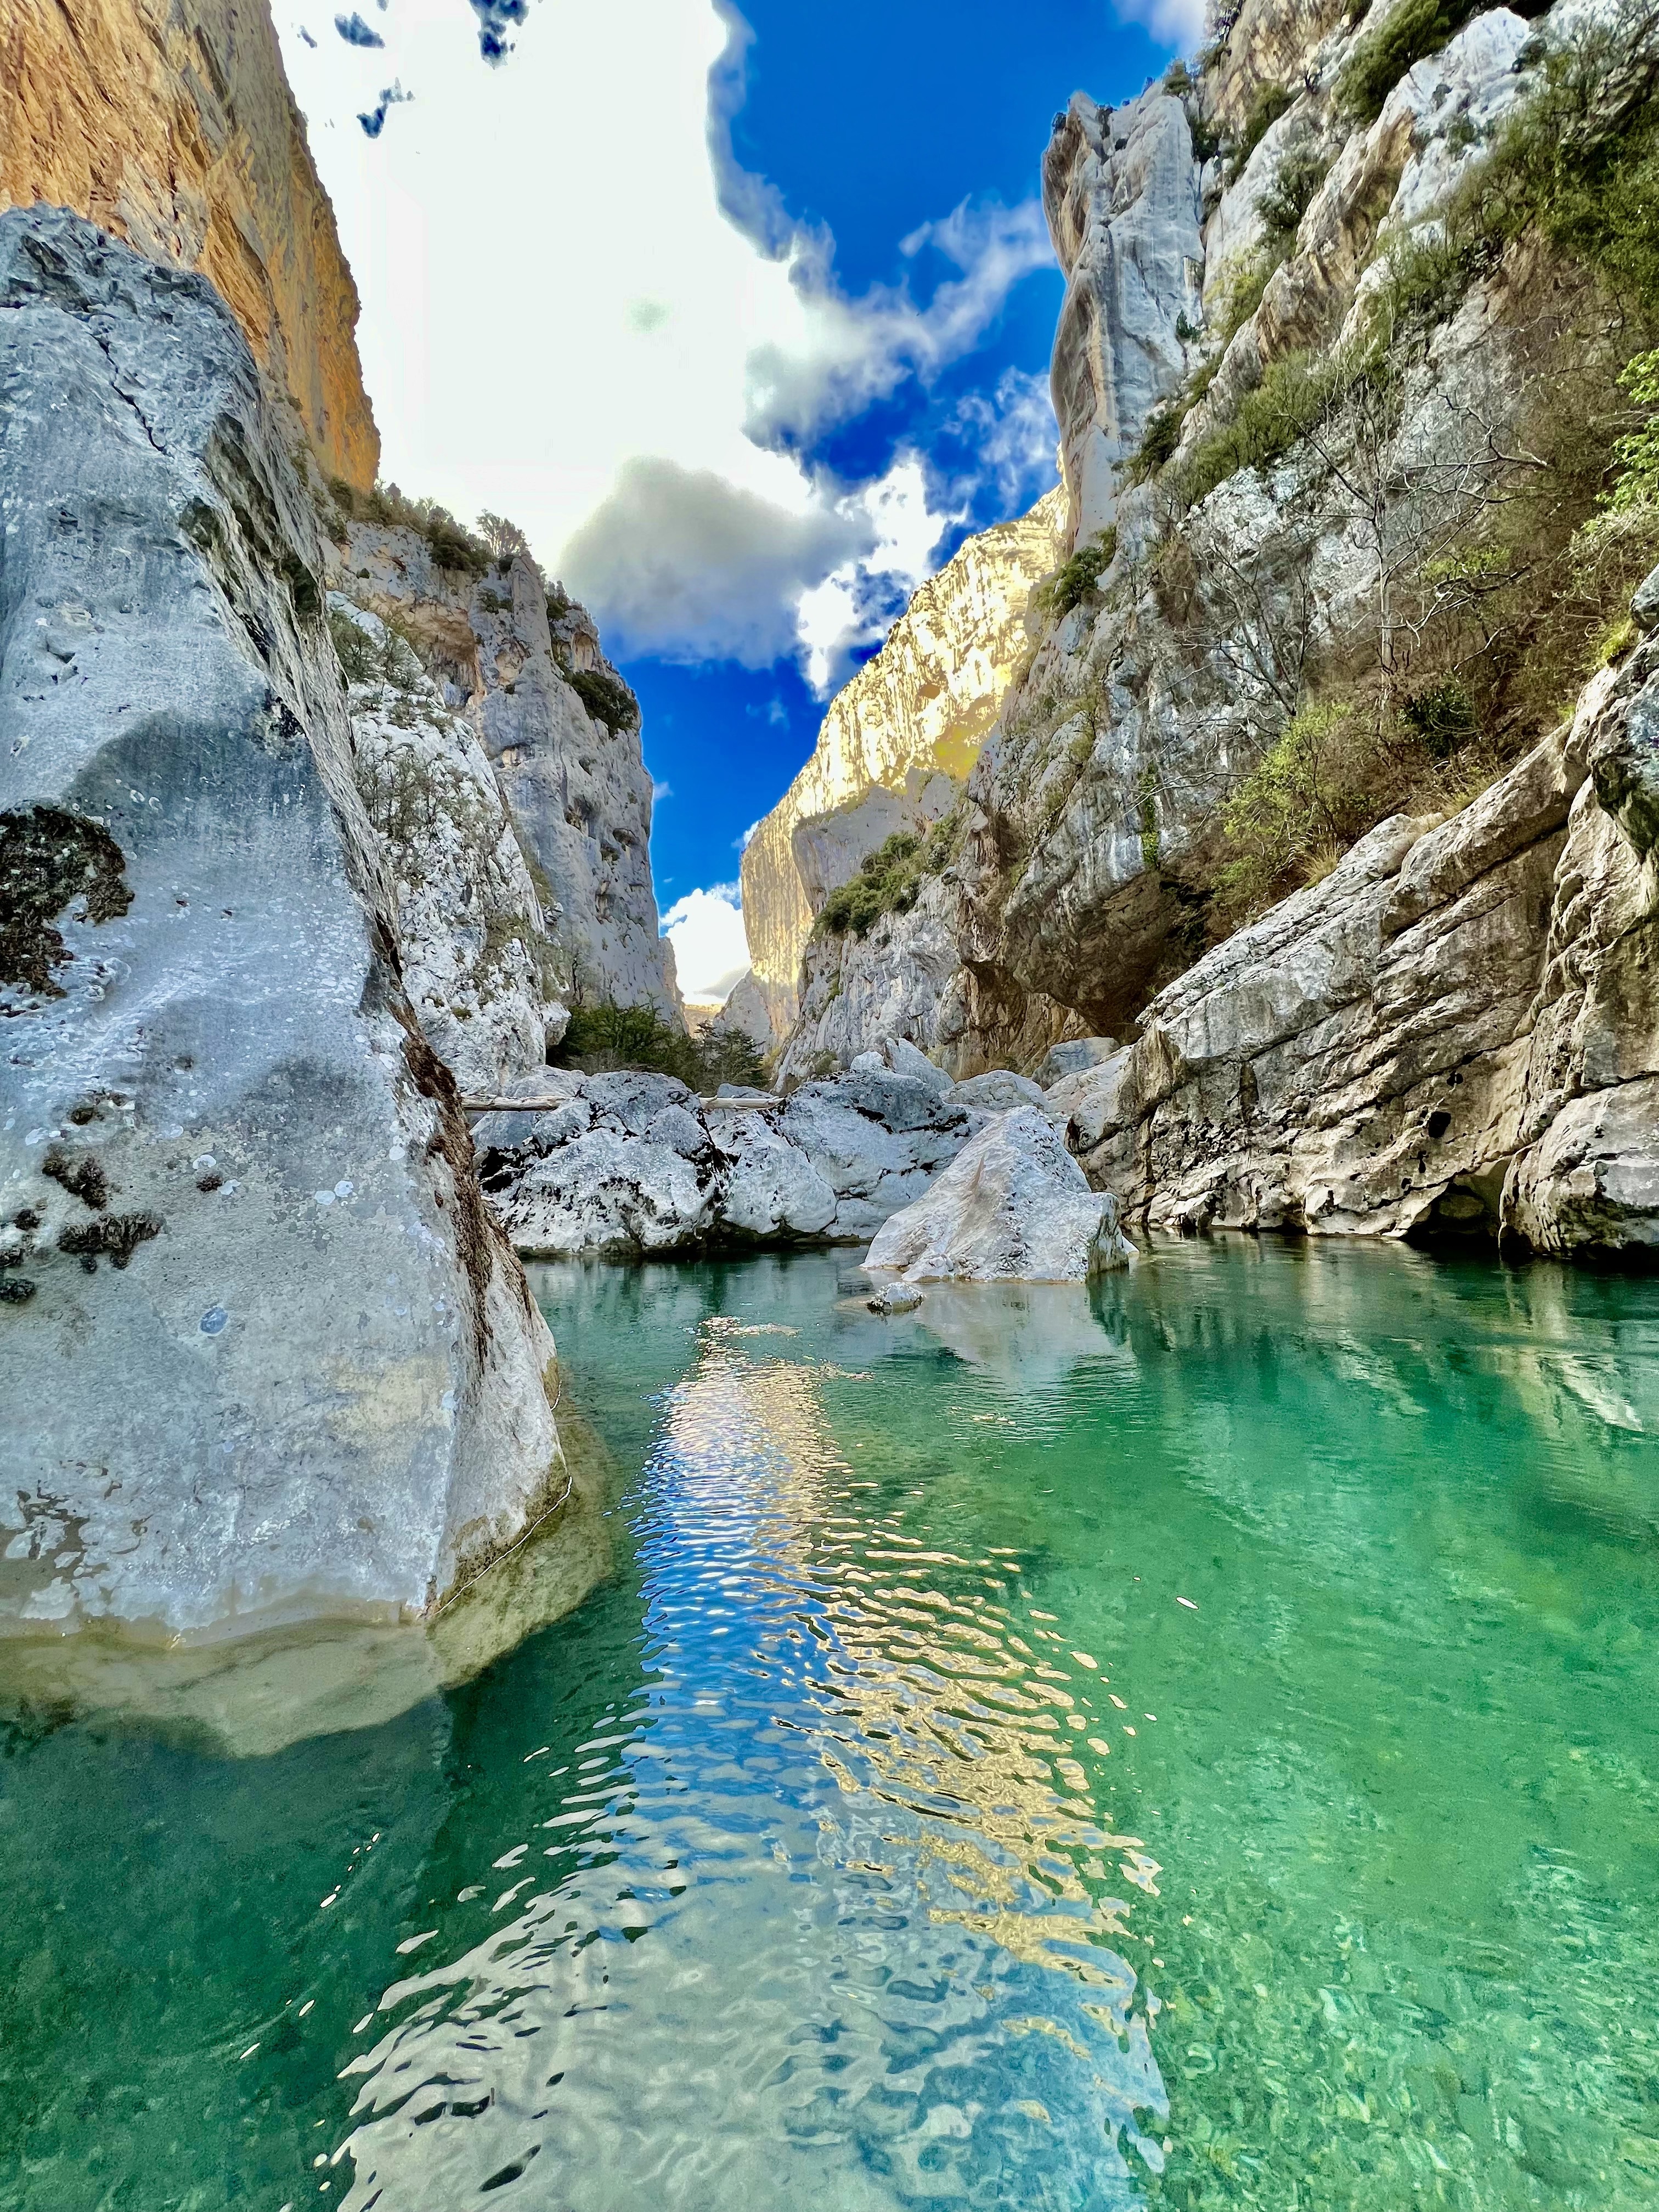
[{"x": 826, "y": 1916}]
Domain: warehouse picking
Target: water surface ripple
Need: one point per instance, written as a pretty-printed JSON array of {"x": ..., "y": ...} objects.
[{"x": 1190, "y": 1744}]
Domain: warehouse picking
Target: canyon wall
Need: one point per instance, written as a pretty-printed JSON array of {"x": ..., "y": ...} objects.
[
  {"x": 263, "y": 1352},
  {"x": 1337, "y": 379},
  {"x": 895, "y": 742},
  {"x": 170, "y": 123},
  {"x": 519, "y": 681}
]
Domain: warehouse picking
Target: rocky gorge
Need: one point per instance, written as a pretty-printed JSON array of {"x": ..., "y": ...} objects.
[
  {"x": 1260, "y": 834},
  {"x": 1346, "y": 606}
]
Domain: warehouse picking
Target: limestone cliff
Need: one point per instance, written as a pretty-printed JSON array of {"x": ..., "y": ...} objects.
[
  {"x": 170, "y": 123},
  {"x": 556, "y": 732},
  {"x": 1337, "y": 378},
  {"x": 263, "y": 1353},
  {"x": 895, "y": 742}
]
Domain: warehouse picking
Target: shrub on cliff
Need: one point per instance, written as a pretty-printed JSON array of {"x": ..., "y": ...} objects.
[
  {"x": 608, "y": 1035},
  {"x": 606, "y": 698},
  {"x": 1059, "y": 594},
  {"x": 887, "y": 882}
]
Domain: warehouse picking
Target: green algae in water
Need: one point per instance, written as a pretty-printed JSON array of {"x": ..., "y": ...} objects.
[{"x": 1189, "y": 1744}]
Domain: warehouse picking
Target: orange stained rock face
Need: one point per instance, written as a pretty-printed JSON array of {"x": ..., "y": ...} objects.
[{"x": 170, "y": 123}]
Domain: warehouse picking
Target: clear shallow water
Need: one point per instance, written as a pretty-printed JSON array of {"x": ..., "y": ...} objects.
[{"x": 812, "y": 1865}]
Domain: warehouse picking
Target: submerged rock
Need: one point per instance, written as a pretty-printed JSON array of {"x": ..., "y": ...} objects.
[
  {"x": 277, "y": 1362},
  {"x": 1014, "y": 1206}
]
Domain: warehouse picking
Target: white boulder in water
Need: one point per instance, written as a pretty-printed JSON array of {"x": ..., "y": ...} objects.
[{"x": 1013, "y": 1206}]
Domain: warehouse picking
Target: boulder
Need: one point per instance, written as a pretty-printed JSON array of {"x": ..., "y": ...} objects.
[
  {"x": 878, "y": 1140},
  {"x": 1014, "y": 1206},
  {"x": 771, "y": 1191},
  {"x": 1073, "y": 1057},
  {"x": 998, "y": 1092},
  {"x": 632, "y": 1162},
  {"x": 904, "y": 1058},
  {"x": 605, "y": 1192}
]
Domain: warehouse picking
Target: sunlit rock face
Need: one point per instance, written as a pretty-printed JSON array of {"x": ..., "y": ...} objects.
[
  {"x": 170, "y": 123},
  {"x": 523, "y": 668},
  {"x": 1449, "y": 1031},
  {"x": 896, "y": 740},
  {"x": 263, "y": 1354}
]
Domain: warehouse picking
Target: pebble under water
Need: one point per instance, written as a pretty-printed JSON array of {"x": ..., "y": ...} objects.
[{"x": 1189, "y": 1743}]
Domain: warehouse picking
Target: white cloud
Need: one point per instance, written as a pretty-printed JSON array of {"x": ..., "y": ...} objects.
[
  {"x": 684, "y": 563},
  {"x": 711, "y": 952},
  {"x": 1177, "y": 23},
  {"x": 849, "y": 352},
  {"x": 661, "y": 789},
  {"x": 742, "y": 844},
  {"x": 1014, "y": 436},
  {"x": 562, "y": 330},
  {"x": 856, "y": 603}
]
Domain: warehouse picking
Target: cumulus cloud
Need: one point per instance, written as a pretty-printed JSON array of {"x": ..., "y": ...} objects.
[
  {"x": 682, "y": 563},
  {"x": 635, "y": 397},
  {"x": 711, "y": 952},
  {"x": 1013, "y": 436},
  {"x": 857, "y": 601}
]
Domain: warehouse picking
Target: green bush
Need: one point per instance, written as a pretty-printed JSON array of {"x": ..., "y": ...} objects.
[
  {"x": 361, "y": 660},
  {"x": 1636, "y": 456},
  {"x": 888, "y": 882},
  {"x": 1443, "y": 718},
  {"x": 606, "y": 698},
  {"x": 608, "y": 1035},
  {"x": 1291, "y": 399},
  {"x": 1271, "y": 101},
  {"x": 452, "y": 546},
  {"x": 1416, "y": 29},
  {"x": 1075, "y": 578},
  {"x": 1578, "y": 162},
  {"x": 1206, "y": 138},
  {"x": 1305, "y": 798},
  {"x": 1288, "y": 198}
]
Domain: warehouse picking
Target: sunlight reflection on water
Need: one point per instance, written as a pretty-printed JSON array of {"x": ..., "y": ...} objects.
[{"x": 827, "y": 1915}]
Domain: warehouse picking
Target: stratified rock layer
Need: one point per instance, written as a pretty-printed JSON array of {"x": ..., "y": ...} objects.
[
  {"x": 263, "y": 1354},
  {"x": 1455, "y": 1033},
  {"x": 170, "y": 123}
]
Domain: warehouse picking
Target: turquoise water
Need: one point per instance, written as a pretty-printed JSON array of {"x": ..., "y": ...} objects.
[{"x": 1193, "y": 1743}]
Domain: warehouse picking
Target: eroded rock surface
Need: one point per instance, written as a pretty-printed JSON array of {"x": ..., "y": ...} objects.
[
  {"x": 895, "y": 742},
  {"x": 524, "y": 667},
  {"x": 1455, "y": 1033},
  {"x": 263, "y": 1353},
  {"x": 632, "y": 1164}
]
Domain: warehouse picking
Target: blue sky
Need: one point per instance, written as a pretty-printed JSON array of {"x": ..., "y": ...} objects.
[{"x": 745, "y": 319}]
